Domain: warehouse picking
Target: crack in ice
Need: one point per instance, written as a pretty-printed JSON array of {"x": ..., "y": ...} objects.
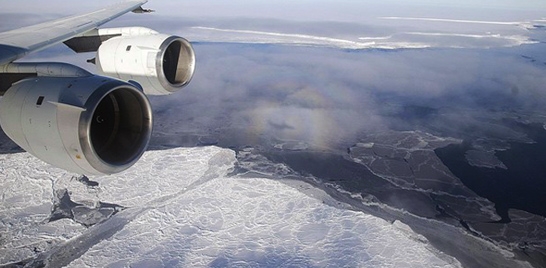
[{"x": 65, "y": 253}]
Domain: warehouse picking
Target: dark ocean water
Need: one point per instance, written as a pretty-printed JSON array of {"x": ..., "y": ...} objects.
[
  {"x": 521, "y": 186},
  {"x": 332, "y": 168}
]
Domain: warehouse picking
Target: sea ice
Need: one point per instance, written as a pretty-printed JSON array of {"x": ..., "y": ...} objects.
[{"x": 182, "y": 209}]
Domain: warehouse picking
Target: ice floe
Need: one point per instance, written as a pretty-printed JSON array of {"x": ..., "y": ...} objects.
[{"x": 182, "y": 209}]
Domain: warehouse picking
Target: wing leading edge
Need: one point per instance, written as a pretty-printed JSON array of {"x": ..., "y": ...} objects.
[{"x": 20, "y": 42}]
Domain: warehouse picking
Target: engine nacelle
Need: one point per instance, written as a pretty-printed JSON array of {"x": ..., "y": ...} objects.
[
  {"x": 88, "y": 125},
  {"x": 161, "y": 64}
]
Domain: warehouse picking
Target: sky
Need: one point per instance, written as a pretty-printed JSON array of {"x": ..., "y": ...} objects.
[{"x": 346, "y": 10}]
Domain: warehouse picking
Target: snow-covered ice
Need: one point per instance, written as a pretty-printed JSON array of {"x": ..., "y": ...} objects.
[{"x": 182, "y": 208}]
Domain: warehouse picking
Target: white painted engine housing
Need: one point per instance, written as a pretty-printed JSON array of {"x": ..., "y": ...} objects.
[
  {"x": 87, "y": 125},
  {"x": 161, "y": 64}
]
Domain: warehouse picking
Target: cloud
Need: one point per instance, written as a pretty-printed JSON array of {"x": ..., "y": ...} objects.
[{"x": 328, "y": 97}]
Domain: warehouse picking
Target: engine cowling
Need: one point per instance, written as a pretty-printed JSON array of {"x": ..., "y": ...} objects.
[
  {"x": 87, "y": 125},
  {"x": 161, "y": 64}
]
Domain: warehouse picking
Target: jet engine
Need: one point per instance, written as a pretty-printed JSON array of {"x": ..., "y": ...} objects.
[
  {"x": 88, "y": 125},
  {"x": 162, "y": 64}
]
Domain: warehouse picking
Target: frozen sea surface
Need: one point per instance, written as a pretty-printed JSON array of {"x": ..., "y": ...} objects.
[{"x": 179, "y": 207}]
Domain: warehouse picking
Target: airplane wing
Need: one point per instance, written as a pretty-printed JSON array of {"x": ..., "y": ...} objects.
[
  {"x": 79, "y": 121},
  {"x": 18, "y": 43}
]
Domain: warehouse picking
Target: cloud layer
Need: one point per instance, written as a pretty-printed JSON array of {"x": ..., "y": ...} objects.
[{"x": 324, "y": 96}]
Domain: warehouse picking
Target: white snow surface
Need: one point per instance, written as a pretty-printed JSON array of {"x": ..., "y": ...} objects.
[
  {"x": 184, "y": 210},
  {"x": 513, "y": 35}
]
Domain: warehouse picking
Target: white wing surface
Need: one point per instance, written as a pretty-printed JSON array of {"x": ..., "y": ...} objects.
[{"x": 18, "y": 43}]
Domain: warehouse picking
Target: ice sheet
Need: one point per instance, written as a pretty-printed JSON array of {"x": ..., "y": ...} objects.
[{"x": 181, "y": 209}]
